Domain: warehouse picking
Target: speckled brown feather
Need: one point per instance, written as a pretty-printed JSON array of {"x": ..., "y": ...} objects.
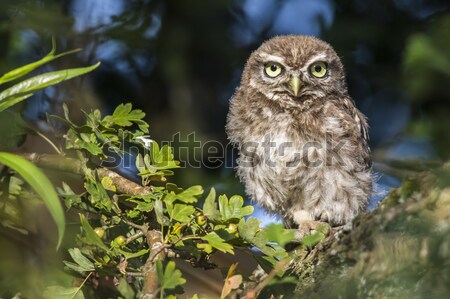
[{"x": 297, "y": 177}]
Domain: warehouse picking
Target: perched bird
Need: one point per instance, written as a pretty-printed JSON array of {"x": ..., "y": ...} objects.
[{"x": 303, "y": 145}]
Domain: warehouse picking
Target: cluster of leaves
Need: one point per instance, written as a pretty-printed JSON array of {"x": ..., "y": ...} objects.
[{"x": 112, "y": 242}]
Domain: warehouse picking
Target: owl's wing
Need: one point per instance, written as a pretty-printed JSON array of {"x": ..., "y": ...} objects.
[
  {"x": 361, "y": 121},
  {"x": 358, "y": 117}
]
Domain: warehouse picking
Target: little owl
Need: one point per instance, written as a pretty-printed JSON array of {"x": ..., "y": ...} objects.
[{"x": 303, "y": 145}]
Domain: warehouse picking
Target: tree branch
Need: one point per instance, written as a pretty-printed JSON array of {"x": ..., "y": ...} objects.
[
  {"x": 157, "y": 252},
  {"x": 394, "y": 251},
  {"x": 75, "y": 166}
]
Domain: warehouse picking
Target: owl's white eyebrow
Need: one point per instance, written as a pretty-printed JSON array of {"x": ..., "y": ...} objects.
[
  {"x": 269, "y": 57},
  {"x": 320, "y": 56}
]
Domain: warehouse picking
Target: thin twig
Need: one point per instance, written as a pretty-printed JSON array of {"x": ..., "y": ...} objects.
[
  {"x": 253, "y": 293},
  {"x": 134, "y": 237},
  {"x": 135, "y": 274},
  {"x": 48, "y": 141},
  {"x": 142, "y": 228},
  {"x": 82, "y": 284}
]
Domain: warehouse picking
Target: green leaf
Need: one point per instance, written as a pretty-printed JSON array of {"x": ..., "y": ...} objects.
[
  {"x": 83, "y": 141},
  {"x": 58, "y": 292},
  {"x": 190, "y": 195},
  {"x": 91, "y": 237},
  {"x": 266, "y": 262},
  {"x": 210, "y": 206},
  {"x": 320, "y": 234},
  {"x": 23, "y": 70},
  {"x": 187, "y": 196},
  {"x": 248, "y": 229},
  {"x": 217, "y": 242},
  {"x": 233, "y": 208},
  {"x": 206, "y": 247},
  {"x": 98, "y": 195},
  {"x": 159, "y": 211},
  {"x": 125, "y": 116},
  {"x": 125, "y": 289},
  {"x": 169, "y": 278},
  {"x": 83, "y": 264},
  {"x": 41, "y": 184},
  {"x": 142, "y": 205},
  {"x": 27, "y": 88},
  {"x": 13, "y": 129},
  {"x": 108, "y": 184},
  {"x": 130, "y": 255},
  {"x": 182, "y": 212},
  {"x": 70, "y": 198},
  {"x": 277, "y": 233}
]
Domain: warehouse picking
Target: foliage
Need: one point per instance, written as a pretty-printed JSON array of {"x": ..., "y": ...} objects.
[
  {"x": 29, "y": 172},
  {"x": 112, "y": 241},
  {"x": 115, "y": 225},
  {"x": 40, "y": 183},
  {"x": 28, "y": 87}
]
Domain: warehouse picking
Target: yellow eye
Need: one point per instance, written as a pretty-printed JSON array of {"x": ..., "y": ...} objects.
[
  {"x": 318, "y": 69},
  {"x": 273, "y": 69}
]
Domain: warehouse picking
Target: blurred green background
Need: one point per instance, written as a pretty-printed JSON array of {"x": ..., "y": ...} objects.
[{"x": 180, "y": 62}]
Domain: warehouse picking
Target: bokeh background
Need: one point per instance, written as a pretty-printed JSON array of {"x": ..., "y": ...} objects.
[{"x": 180, "y": 62}]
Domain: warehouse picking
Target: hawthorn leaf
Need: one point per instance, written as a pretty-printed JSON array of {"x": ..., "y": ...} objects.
[
  {"x": 125, "y": 289},
  {"x": 182, "y": 212},
  {"x": 83, "y": 264},
  {"x": 217, "y": 242},
  {"x": 91, "y": 237},
  {"x": 278, "y": 234},
  {"x": 170, "y": 277},
  {"x": 124, "y": 116},
  {"x": 108, "y": 184},
  {"x": 130, "y": 255},
  {"x": 247, "y": 229},
  {"x": 210, "y": 206},
  {"x": 233, "y": 208},
  {"x": 58, "y": 292}
]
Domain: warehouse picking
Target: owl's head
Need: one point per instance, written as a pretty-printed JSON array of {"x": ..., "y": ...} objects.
[{"x": 293, "y": 68}]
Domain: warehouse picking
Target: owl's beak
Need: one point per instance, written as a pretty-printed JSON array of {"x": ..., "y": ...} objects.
[{"x": 294, "y": 84}]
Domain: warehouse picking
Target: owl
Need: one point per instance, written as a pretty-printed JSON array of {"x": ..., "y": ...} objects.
[{"x": 302, "y": 143}]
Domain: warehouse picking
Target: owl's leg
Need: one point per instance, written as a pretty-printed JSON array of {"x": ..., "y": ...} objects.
[{"x": 306, "y": 224}]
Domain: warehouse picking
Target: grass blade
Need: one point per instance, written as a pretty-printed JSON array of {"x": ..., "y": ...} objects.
[
  {"x": 41, "y": 184},
  {"x": 28, "y": 87}
]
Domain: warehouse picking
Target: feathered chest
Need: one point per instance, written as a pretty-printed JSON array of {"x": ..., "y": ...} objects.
[
  {"x": 276, "y": 140},
  {"x": 284, "y": 141}
]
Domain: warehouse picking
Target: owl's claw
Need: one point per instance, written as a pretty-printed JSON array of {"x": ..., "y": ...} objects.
[{"x": 309, "y": 227}]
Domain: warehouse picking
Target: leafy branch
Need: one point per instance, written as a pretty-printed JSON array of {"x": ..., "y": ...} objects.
[{"x": 129, "y": 232}]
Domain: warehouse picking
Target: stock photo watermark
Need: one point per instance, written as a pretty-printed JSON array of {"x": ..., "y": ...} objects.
[{"x": 194, "y": 153}]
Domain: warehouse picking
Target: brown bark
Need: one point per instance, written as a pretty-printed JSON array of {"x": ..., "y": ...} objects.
[{"x": 157, "y": 252}]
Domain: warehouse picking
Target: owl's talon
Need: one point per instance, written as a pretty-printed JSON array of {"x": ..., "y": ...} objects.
[{"x": 309, "y": 227}]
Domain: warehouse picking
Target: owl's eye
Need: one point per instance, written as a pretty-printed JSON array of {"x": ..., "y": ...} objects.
[
  {"x": 273, "y": 69},
  {"x": 318, "y": 69}
]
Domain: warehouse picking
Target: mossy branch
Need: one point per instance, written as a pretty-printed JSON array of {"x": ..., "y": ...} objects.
[{"x": 398, "y": 250}]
